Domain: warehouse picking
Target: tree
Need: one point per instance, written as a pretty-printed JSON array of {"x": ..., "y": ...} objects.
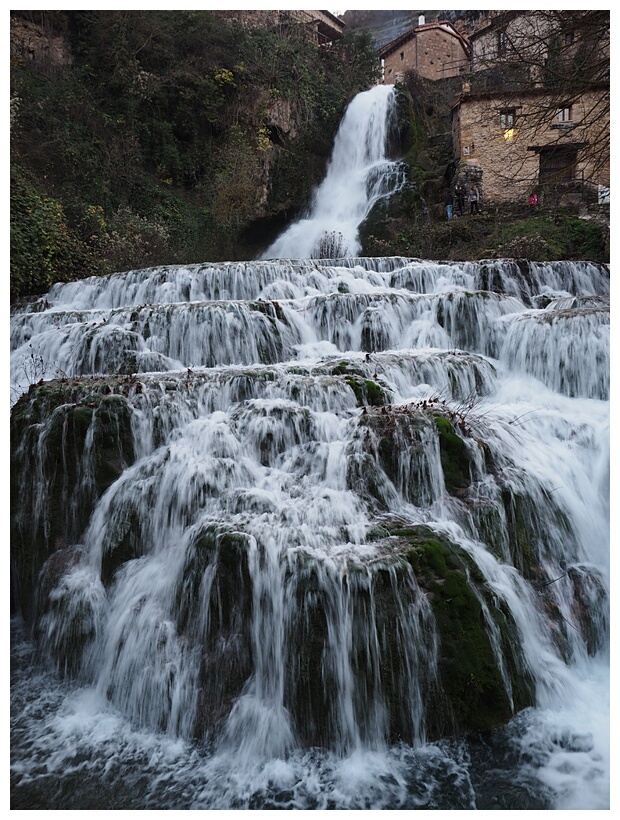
[
  {"x": 541, "y": 81},
  {"x": 175, "y": 133}
]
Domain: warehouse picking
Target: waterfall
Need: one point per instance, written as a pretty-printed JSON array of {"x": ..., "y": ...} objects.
[
  {"x": 295, "y": 524},
  {"x": 358, "y": 176},
  {"x": 313, "y": 533}
]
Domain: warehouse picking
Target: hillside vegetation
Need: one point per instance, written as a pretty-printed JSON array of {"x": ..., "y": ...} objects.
[
  {"x": 149, "y": 137},
  {"x": 143, "y": 138}
]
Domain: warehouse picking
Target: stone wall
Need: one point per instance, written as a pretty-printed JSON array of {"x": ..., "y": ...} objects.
[
  {"x": 440, "y": 54},
  {"x": 32, "y": 41},
  {"x": 506, "y": 156},
  {"x": 432, "y": 50}
]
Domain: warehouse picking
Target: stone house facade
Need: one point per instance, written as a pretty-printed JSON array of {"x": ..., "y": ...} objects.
[
  {"x": 519, "y": 146},
  {"x": 323, "y": 26},
  {"x": 434, "y": 50},
  {"x": 518, "y": 127}
]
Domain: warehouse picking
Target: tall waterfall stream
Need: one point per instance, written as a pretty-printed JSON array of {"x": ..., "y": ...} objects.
[
  {"x": 358, "y": 176},
  {"x": 313, "y": 533}
]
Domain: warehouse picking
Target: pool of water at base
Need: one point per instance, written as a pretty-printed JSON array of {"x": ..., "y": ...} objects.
[{"x": 70, "y": 751}]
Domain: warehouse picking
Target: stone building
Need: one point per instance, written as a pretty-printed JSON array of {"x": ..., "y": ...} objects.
[
  {"x": 433, "y": 50},
  {"x": 514, "y": 147},
  {"x": 533, "y": 115},
  {"x": 322, "y": 26}
]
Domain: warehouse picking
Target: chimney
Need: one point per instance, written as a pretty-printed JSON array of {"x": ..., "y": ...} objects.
[{"x": 421, "y": 20}]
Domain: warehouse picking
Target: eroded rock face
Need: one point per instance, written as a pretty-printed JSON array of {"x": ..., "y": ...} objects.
[
  {"x": 69, "y": 444},
  {"x": 30, "y": 41},
  {"x": 482, "y": 673},
  {"x": 281, "y": 118}
]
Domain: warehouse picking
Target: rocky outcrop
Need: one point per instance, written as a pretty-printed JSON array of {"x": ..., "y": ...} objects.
[
  {"x": 68, "y": 445},
  {"x": 72, "y": 439},
  {"x": 40, "y": 43}
]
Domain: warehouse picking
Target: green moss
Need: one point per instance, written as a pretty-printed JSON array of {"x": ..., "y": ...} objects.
[
  {"x": 377, "y": 533},
  {"x": 367, "y": 392},
  {"x": 470, "y": 692},
  {"x": 341, "y": 369},
  {"x": 455, "y": 457},
  {"x": 356, "y": 387},
  {"x": 374, "y": 393},
  {"x": 473, "y": 694}
]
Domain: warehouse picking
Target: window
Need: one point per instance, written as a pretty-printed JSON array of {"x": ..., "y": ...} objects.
[
  {"x": 568, "y": 38},
  {"x": 402, "y": 55},
  {"x": 507, "y": 118},
  {"x": 502, "y": 43},
  {"x": 565, "y": 114}
]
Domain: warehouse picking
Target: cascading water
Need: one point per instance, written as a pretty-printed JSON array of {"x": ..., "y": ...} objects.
[
  {"x": 358, "y": 176},
  {"x": 313, "y": 535}
]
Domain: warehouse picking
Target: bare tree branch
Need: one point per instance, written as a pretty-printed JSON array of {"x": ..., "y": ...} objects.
[{"x": 536, "y": 108}]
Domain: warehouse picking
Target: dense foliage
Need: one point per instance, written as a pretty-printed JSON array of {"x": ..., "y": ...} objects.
[
  {"x": 172, "y": 136},
  {"x": 498, "y": 232}
]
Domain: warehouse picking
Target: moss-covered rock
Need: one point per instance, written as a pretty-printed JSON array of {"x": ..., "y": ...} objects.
[
  {"x": 473, "y": 693},
  {"x": 68, "y": 445},
  {"x": 66, "y": 621},
  {"x": 392, "y": 445},
  {"x": 590, "y": 606},
  {"x": 346, "y": 368},
  {"x": 367, "y": 392},
  {"x": 455, "y": 457},
  {"x": 215, "y": 614},
  {"x": 408, "y": 444}
]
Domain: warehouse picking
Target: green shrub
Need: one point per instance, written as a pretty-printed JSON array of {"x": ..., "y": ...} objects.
[
  {"x": 157, "y": 143},
  {"x": 43, "y": 248}
]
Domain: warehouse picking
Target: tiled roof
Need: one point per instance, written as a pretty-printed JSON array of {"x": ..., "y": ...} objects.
[{"x": 445, "y": 25}]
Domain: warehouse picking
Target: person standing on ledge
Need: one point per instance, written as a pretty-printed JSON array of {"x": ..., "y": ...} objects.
[
  {"x": 460, "y": 200},
  {"x": 474, "y": 199}
]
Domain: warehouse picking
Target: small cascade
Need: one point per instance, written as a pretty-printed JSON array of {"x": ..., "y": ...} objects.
[{"x": 357, "y": 177}]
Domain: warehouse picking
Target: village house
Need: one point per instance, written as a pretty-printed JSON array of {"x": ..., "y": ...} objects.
[
  {"x": 323, "y": 26},
  {"x": 533, "y": 116},
  {"x": 434, "y": 50}
]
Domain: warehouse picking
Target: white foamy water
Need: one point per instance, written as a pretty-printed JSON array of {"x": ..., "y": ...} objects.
[
  {"x": 229, "y": 613},
  {"x": 358, "y": 176}
]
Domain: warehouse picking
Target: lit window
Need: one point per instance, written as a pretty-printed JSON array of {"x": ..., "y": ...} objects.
[
  {"x": 502, "y": 42},
  {"x": 507, "y": 119},
  {"x": 565, "y": 114}
]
